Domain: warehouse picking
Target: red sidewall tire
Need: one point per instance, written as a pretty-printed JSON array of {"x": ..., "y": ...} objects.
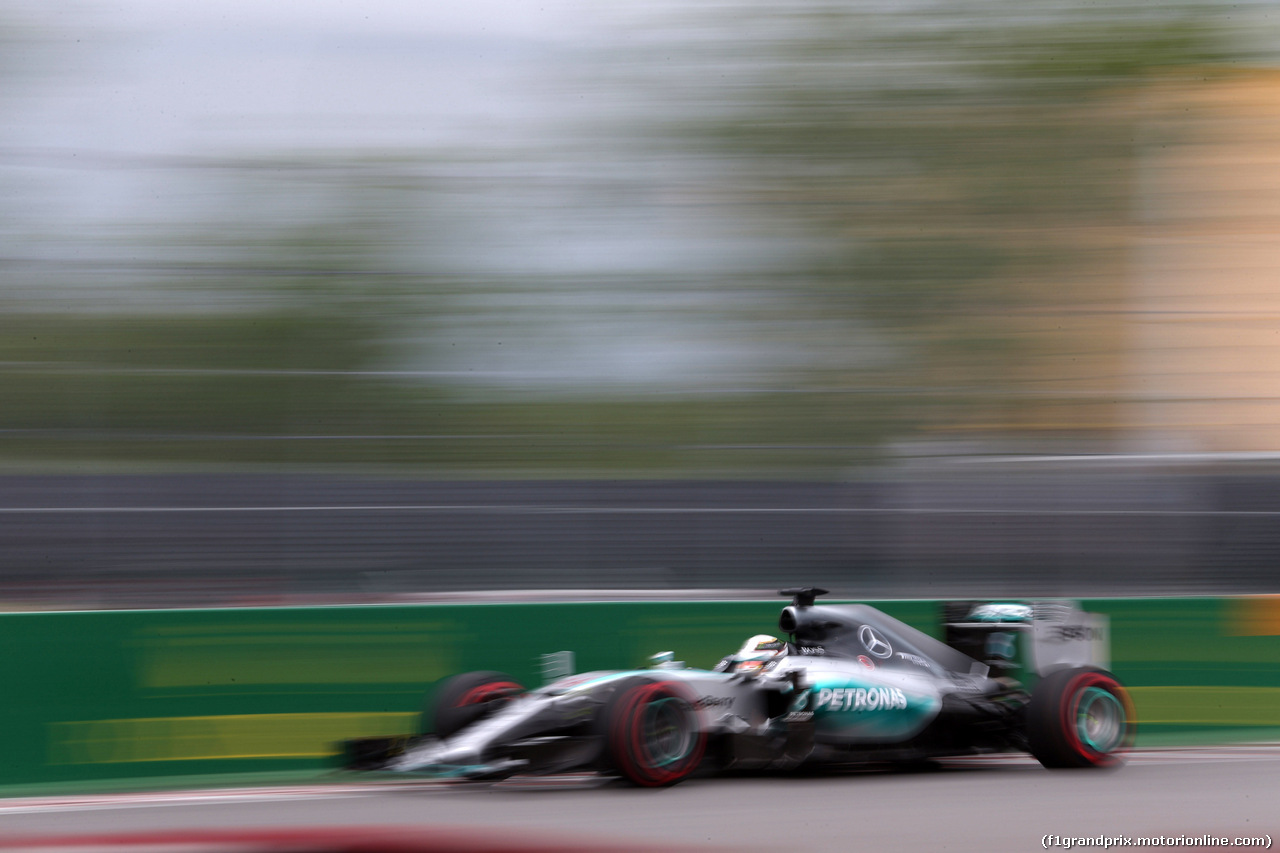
[
  {"x": 653, "y": 734},
  {"x": 1077, "y": 689},
  {"x": 463, "y": 699},
  {"x": 1057, "y": 717}
]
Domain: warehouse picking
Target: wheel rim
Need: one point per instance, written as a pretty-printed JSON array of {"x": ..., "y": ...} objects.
[
  {"x": 1100, "y": 720},
  {"x": 665, "y": 734}
]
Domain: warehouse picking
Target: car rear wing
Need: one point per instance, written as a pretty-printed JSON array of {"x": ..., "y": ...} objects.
[{"x": 1039, "y": 637}]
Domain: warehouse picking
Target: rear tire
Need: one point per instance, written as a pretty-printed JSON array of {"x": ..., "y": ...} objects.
[
  {"x": 1080, "y": 718},
  {"x": 463, "y": 699},
  {"x": 652, "y": 734}
]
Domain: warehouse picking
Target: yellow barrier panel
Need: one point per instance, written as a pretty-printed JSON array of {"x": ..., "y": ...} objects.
[
  {"x": 1207, "y": 706},
  {"x": 225, "y": 737}
]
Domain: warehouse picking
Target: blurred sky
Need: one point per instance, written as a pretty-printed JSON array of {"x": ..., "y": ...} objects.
[
  {"x": 122, "y": 115},
  {"x": 146, "y": 76}
]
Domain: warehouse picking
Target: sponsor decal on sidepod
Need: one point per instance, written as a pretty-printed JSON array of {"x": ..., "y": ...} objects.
[{"x": 861, "y": 699}]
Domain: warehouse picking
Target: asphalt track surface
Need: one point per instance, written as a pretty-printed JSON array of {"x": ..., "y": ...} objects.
[{"x": 999, "y": 803}]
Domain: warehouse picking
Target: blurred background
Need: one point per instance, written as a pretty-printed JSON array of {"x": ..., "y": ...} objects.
[{"x": 320, "y": 301}]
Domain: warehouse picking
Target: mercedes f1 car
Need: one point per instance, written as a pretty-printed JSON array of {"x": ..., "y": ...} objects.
[{"x": 849, "y": 684}]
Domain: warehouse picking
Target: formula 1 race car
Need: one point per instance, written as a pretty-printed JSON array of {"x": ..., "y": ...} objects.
[{"x": 850, "y": 684}]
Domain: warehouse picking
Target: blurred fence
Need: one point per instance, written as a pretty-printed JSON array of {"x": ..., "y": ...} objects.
[{"x": 957, "y": 529}]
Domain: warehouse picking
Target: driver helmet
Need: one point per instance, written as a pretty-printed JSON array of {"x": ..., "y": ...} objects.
[{"x": 758, "y": 653}]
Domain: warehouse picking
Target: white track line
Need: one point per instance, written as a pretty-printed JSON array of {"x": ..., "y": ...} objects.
[{"x": 89, "y": 802}]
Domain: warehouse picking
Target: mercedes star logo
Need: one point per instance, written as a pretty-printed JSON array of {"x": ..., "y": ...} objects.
[{"x": 874, "y": 643}]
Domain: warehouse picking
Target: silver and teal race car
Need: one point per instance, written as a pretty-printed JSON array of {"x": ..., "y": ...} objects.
[{"x": 848, "y": 684}]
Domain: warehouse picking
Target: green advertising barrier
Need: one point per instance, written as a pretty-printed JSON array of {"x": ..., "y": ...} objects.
[
  {"x": 103, "y": 695},
  {"x": 1200, "y": 670}
]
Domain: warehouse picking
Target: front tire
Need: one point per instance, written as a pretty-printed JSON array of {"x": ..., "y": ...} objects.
[
  {"x": 652, "y": 733},
  {"x": 1080, "y": 718},
  {"x": 463, "y": 699}
]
